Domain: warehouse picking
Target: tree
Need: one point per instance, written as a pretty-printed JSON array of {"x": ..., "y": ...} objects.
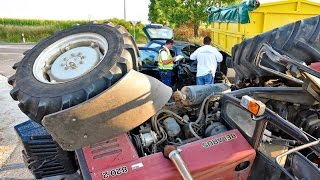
[
  {"x": 197, "y": 12},
  {"x": 156, "y": 14},
  {"x": 177, "y": 12}
]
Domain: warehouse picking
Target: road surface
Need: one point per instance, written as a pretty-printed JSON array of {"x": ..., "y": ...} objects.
[
  {"x": 12, "y": 166},
  {"x": 10, "y": 54},
  {"x": 11, "y": 163}
]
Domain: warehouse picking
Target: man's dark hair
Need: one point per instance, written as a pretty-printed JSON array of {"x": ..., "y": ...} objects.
[
  {"x": 169, "y": 41},
  {"x": 207, "y": 40}
]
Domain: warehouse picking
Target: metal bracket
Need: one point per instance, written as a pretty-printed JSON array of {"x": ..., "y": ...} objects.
[
  {"x": 283, "y": 60},
  {"x": 295, "y": 150}
]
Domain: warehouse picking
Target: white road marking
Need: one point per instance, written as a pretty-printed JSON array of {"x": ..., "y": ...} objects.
[
  {"x": 15, "y": 47},
  {"x": 8, "y": 60},
  {"x": 9, "y": 53}
]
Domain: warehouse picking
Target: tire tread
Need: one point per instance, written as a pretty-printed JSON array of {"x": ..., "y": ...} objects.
[
  {"x": 37, "y": 106},
  {"x": 299, "y": 40}
]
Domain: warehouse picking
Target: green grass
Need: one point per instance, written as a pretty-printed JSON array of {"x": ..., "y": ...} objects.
[
  {"x": 12, "y": 33},
  {"x": 11, "y": 30},
  {"x": 34, "y": 22}
]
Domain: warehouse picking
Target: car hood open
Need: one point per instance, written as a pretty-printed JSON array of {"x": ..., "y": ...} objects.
[{"x": 158, "y": 32}]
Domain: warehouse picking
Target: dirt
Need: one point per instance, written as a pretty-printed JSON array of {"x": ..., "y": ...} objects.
[{"x": 10, "y": 115}]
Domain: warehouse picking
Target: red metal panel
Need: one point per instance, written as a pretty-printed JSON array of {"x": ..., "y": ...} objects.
[
  {"x": 211, "y": 158},
  {"x": 110, "y": 153},
  {"x": 315, "y": 66}
]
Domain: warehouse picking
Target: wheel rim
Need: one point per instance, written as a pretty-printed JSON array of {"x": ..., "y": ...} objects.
[{"x": 70, "y": 58}]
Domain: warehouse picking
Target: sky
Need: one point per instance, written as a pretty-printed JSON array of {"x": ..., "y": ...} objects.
[{"x": 136, "y": 10}]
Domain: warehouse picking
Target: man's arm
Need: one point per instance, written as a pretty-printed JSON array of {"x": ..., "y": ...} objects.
[
  {"x": 193, "y": 56},
  {"x": 219, "y": 56}
]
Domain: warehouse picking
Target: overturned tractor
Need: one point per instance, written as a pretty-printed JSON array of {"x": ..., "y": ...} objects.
[{"x": 86, "y": 99}]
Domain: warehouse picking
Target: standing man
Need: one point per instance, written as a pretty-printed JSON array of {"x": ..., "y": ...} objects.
[
  {"x": 166, "y": 62},
  {"x": 207, "y": 60}
]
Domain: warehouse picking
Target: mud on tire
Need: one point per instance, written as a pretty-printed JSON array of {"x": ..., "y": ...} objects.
[
  {"x": 299, "y": 40},
  {"x": 56, "y": 74}
]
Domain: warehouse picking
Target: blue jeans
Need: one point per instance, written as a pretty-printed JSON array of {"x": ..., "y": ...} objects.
[
  {"x": 206, "y": 79},
  {"x": 166, "y": 77}
]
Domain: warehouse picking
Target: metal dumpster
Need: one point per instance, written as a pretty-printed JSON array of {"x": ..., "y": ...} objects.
[{"x": 266, "y": 17}]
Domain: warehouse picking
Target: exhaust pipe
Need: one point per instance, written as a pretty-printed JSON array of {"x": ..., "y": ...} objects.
[{"x": 173, "y": 154}]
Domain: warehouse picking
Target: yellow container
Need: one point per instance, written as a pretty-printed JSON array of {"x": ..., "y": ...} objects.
[{"x": 266, "y": 17}]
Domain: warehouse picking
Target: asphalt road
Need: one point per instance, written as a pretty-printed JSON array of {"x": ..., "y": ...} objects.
[
  {"x": 10, "y": 54},
  {"x": 11, "y": 163}
]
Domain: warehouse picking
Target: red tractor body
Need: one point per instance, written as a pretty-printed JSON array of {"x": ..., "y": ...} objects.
[{"x": 216, "y": 157}]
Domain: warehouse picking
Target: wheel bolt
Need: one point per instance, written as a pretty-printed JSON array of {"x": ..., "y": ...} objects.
[{"x": 73, "y": 65}]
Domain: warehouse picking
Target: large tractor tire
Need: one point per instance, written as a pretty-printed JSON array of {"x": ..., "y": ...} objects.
[
  {"x": 71, "y": 67},
  {"x": 299, "y": 40}
]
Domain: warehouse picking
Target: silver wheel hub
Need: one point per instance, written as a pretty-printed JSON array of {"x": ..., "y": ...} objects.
[
  {"x": 74, "y": 63},
  {"x": 70, "y": 58}
]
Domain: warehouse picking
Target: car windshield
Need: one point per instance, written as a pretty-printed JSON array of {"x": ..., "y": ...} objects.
[
  {"x": 160, "y": 33},
  {"x": 148, "y": 57},
  {"x": 154, "y": 45}
]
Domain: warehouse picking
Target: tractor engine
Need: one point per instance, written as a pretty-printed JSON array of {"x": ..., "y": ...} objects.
[{"x": 209, "y": 147}]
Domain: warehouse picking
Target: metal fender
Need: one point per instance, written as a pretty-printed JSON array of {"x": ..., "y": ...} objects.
[{"x": 127, "y": 104}]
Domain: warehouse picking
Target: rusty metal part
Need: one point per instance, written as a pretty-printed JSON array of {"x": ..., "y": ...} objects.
[
  {"x": 312, "y": 85},
  {"x": 130, "y": 102}
]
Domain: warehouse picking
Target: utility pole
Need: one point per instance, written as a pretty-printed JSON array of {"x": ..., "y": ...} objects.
[
  {"x": 134, "y": 23},
  {"x": 124, "y": 10}
]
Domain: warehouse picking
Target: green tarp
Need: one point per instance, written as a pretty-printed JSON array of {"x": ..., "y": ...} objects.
[{"x": 234, "y": 14}]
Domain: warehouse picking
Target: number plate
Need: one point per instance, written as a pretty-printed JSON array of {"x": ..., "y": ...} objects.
[{"x": 115, "y": 172}]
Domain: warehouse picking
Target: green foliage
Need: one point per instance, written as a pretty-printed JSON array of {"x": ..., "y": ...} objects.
[
  {"x": 156, "y": 13},
  {"x": 35, "y": 22},
  {"x": 11, "y": 30},
  {"x": 13, "y": 33},
  {"x": 178, "y": 12}
]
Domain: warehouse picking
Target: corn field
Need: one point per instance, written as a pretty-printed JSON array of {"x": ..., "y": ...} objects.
[{"x": 32, "y": 30}]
